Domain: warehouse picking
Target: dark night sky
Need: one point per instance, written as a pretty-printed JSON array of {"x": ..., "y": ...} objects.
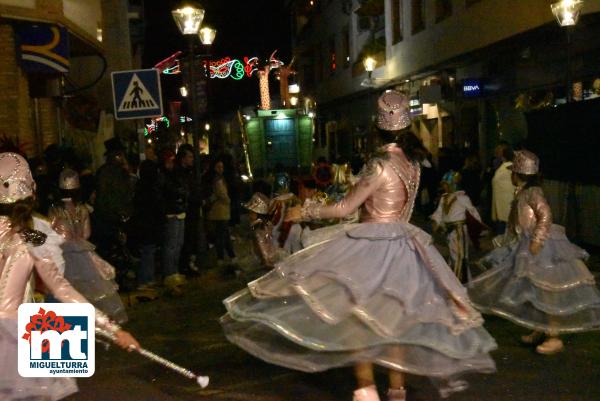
[{"x": 244, "y": 28}]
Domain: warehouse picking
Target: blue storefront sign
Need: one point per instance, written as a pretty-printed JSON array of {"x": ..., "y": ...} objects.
[{"x": 42, "y": 48}]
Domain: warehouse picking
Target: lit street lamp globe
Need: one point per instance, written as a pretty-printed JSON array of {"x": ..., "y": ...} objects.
[
  {"x": 188, "y": 19},
  {"x": 567, "y": 11},
  {"x": 207, "y": 35}
]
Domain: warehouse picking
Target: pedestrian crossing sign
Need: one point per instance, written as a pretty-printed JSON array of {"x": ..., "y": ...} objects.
[{"x": 137, "y": 94}]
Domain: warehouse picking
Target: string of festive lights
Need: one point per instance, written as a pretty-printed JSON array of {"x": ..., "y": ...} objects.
[{"x": 153, "y": 126}]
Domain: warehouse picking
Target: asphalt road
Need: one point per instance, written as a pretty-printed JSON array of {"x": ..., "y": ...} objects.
[{"x": 185, "y": 329}]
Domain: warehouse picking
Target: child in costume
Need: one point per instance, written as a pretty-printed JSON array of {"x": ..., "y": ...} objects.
[
  {"x": 537, "y": 278},
  {"x": 451, "y": 217},
  {"x": 266, "y": 251},
  {"x": 87, "y": 272},
  {"x": 379, "y": 293},
  {"x": 24, "y": 249}
]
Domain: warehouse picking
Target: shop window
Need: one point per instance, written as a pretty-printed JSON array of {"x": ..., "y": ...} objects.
[
  {"x": 443, "y": 9},
  {"x": 418, "y": 15},
  {"x": 397, "y": 19}
]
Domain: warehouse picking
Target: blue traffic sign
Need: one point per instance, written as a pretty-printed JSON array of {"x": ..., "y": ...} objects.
[{"x": 137, "y": 94}]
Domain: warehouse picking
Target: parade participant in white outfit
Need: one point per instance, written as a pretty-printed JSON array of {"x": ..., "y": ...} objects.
[
  {"x": 379, "y": 293},
  {"x": 451, "y": 217}
]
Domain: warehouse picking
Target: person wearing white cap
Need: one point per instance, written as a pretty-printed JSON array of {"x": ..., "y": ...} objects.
[
  {"x": 24, "y": 249},
  {"x": 378, "y": 293},
  {"x": 537, "y": 278}
]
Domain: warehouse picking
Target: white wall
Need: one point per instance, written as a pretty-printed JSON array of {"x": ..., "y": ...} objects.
[{"x": 86, "y": 14}]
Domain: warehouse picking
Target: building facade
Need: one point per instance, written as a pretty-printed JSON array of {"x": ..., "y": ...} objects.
[
  {"x": 55, "y": 70},
  {"x": 471, "y": 67},
  {"x": 477, "y": 72}
]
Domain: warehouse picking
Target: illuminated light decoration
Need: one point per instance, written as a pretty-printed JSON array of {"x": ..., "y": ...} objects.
[
  {"x": 150, "y": 128},
  {"x": 184, "y": 119},
  {"x": 172, "y": 70},
  {"x": 263, "y": 86},
  {"x": 283, "y": 74},
  {"x": 170, "y": 65},
  {"x": 251, "y": 66},
  {"x": 263, "y": 81},
  {"x": 233, "y": 68},
  {"x": 229, "y": 68}
]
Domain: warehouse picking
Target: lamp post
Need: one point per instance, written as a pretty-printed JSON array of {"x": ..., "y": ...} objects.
[
  {"x": 207, "y": 37},
  {"x": 567, "y": 13},
  {"x": 188, "y": 19}
]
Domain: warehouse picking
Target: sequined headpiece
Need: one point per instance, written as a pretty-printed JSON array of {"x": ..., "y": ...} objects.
[
  {"x": 16, "y": 182},
  {"x": 392, "y": 111},
  {"x": 259, "y": 203},
  {"x": 525, "y": 162},
  {"x": 69, "y": 179}
]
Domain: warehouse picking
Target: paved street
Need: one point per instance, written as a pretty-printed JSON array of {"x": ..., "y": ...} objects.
[{"x": 186, "y": 330}]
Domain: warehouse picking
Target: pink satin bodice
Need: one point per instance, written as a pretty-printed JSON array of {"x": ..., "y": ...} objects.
[
  {"x": 17, "y": 262},
  {"x": 386, "y": 191},
  {"x": 530, "y": 214}
]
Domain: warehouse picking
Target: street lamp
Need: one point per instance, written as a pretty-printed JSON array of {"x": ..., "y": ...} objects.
[
  {"x": 207, "y": 36},
  {"x": 370, "y": 63},
  {"x": 188, "y": 19},
  {"x": 567, "y": 13}
]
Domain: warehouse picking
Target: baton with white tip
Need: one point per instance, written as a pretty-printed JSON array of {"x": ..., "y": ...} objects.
[{"x": 201, "y": 380}]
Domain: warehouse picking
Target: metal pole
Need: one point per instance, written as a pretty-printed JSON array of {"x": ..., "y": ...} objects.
[
  {"x": 569, "y": 78},
  {"x": 194, "y": 110}
]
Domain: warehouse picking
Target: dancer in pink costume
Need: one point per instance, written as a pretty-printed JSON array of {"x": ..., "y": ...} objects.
[
  {"x": 379, "y": 293},
  {"x": 22, "y": 251},
  {"x": 85, "y": 270},
  {"x": 537, "y": 277}
]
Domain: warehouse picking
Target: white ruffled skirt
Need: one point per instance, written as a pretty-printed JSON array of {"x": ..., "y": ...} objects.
[
  {"x": 552, "y": 291},
  {"x": 93, "y": 277},
  {"x": 373, "y": 292}
]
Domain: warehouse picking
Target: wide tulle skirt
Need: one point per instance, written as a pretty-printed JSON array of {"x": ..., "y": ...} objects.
[
  {"x": 375, "y": 292},
  {"x": 13, "y": 387},
  {"x": 93, "y": 277},
  {"x": 552, "y": 291}
]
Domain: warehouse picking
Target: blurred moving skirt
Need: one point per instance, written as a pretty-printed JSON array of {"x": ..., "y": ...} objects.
[{"x": 377, "y": 292}]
